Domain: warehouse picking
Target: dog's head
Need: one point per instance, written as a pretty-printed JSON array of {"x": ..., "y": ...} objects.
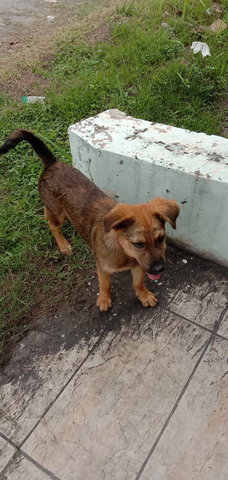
[{"x": 140, "y": 231}]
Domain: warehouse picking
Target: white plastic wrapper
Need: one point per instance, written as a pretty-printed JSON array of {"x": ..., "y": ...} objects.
[
  {"x": 201, "y": 47},
  {"x": 50, "y": 18}
]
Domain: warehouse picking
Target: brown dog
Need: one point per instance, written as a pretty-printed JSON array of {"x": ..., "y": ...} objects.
[{"x": 122, "y": 237}]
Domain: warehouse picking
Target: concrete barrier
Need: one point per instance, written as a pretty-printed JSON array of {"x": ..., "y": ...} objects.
[{"x": 138, "y": 160}]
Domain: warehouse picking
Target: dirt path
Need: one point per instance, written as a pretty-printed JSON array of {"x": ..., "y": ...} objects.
[
  {"x": 30, "y": 30},
  {"x": 22, "y": 18}
]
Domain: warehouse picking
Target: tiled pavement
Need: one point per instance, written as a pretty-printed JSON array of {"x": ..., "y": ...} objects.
[{"x": 147, "y": 401}]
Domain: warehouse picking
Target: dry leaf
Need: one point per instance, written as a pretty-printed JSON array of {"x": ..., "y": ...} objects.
[
  {"x": 14, "y": 42},
  {"x": 217, "y": 8},
  {"x": 217, "y": 26}
]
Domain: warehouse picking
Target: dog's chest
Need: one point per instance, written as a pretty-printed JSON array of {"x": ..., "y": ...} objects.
[{"x": 112, "y": 265}]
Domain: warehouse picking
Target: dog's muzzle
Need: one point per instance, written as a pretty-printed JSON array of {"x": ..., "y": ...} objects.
[{"x": 156, "y": 268}]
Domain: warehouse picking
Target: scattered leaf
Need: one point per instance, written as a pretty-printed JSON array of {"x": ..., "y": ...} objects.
[
  {"x": 217, "y": 26},
  {"x": 217, "y": 8},
  {"x": 166, "y": 14},
  {"x": 14, "y": 42},
  {"x": 179, "y": 12}
]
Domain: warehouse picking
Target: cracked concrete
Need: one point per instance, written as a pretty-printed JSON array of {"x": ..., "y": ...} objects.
[{"x": 142, "y": 394}]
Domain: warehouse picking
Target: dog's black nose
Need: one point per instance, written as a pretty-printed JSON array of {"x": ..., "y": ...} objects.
[{"x": 157, "y": 267}]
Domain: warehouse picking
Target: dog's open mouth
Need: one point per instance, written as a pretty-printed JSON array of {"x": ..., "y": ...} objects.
[{"x": 154, "y": 277}]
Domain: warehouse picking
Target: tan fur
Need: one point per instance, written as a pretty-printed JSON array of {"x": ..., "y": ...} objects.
[
  {"x": 110, "y": 228},
  {"x": 122, "y": 237}
]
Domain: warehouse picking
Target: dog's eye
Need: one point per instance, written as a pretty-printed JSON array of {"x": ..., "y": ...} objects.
[
  {"x": 161, "y": 239},
  {"x": 139, "y": 244}
]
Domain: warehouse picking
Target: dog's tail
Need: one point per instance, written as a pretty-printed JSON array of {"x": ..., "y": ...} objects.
[{"x": 47, "y": 157}]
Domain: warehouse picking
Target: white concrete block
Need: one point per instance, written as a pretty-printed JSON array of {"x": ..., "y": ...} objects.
[{"x": 139, "y": 160}]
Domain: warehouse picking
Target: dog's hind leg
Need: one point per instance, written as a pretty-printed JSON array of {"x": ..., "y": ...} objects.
[{"x": 55, "y": 224}]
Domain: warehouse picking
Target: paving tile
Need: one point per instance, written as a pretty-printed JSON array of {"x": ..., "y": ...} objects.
[
  {"x": 23, "y": 469},
  {"x": 104, "y": 421},
  {"x": 223, "y": 329},
  {"x": 6, "y": 452},
  {"x": 194, "y": 445},
  {"x": 203, "y": 302},
  {"x": 24, "y": 399}
]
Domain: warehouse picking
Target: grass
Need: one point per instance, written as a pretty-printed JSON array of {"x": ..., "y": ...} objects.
[{"x": 144, "y": 69}]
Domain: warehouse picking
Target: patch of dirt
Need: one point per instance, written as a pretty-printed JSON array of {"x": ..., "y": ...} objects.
[
  {"x": 18, "y": 76},
  {"x": 99, "y": 34},
  {"x": 27, "y": 83},
  {"x": 76, "y": 316}
]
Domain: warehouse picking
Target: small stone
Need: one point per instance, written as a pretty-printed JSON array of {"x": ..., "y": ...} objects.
[{"x": 184, "y": 261}]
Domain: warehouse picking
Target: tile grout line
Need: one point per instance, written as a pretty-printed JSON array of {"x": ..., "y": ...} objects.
[
  {"x": 62, "y": 389},
  {"x": 211, "y": 331},
  {"x": 213, "y": 335},
  {"x": 18, "y": 447},
  {"x": 18, "y": 450},
  {"x": 175, "y": 406},
  {"x": 51, "y": 475},
  {"x": 172, "y": 412},
  {"x": 39, "y": 466},
  {"x": 8, "y": 440}
]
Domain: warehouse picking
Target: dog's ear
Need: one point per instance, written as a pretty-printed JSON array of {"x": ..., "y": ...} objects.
[
  {"x": 120, "y": 217},
  {"x": 166, "y": 210}
]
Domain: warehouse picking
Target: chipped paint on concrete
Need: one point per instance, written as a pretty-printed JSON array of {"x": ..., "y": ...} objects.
[
  {"x": 138, "y": 160},
  {"x": 112, "y": 130}
]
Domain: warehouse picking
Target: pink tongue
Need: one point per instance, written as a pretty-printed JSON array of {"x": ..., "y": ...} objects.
[{"x": 154, "y": 277}]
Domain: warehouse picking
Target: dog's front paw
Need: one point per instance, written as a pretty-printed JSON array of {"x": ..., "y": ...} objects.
[
  {"x": 147, "y": 298},
  {"x": 66, "y": 249},
  {"x": 104, "y": 302}
]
